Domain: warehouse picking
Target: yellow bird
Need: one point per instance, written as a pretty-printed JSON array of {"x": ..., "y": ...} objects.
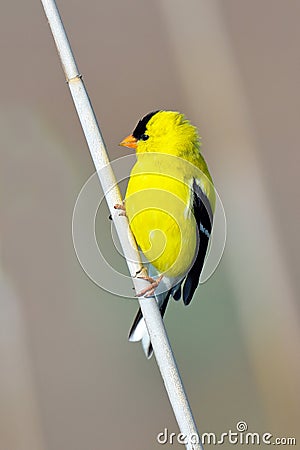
[{"x": 169, "y": 203}]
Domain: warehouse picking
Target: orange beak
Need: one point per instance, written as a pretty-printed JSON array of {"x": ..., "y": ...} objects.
[{"x": 130, "y": 142}]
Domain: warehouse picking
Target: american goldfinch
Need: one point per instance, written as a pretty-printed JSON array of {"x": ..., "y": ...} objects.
[{"x": 169, "y": 203}]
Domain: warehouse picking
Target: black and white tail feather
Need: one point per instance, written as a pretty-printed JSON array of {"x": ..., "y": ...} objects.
[
  {"x": 138, "y": 331},
  {"x": 172, "y": 287}
]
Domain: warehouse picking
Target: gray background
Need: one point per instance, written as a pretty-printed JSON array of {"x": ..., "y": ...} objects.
[{"x": 69, "y": 380}]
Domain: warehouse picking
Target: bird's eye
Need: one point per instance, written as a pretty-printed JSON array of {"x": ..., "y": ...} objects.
[{"x": 144, "y": 137}]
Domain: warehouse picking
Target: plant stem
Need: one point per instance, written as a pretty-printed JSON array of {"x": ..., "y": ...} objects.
[{"x": 161, "y": 346}]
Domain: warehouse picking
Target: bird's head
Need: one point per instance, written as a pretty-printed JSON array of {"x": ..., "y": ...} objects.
[{"x": 166, "y": 132}]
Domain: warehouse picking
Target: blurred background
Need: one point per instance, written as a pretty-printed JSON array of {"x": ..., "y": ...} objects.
[{"x": 69, "y": 379}]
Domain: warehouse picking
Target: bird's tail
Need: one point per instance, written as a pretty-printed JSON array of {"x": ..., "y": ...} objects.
[{"x": 138, "y": 331}]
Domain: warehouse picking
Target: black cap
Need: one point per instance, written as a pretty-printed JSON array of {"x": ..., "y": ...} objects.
[{"x": 141, "y": 125}]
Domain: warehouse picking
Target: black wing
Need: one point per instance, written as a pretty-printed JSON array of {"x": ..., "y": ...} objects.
[{"x": 204, "y": 219}]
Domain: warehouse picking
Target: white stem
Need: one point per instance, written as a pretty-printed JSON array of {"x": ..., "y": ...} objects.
[{"x": 161, "y": 346}]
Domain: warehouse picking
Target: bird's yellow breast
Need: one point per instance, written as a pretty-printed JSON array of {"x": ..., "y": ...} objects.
[{"x": 158, "y": 207}]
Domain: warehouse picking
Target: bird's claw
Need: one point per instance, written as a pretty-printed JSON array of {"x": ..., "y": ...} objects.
[
  {"x": 149, "y": 290},
  {"x": 121, "y": 208}
]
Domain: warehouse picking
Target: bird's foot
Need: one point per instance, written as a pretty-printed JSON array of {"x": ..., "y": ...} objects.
[
  {"x": 121, "y": 208},
  {"x": 149, "y": 290}
]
